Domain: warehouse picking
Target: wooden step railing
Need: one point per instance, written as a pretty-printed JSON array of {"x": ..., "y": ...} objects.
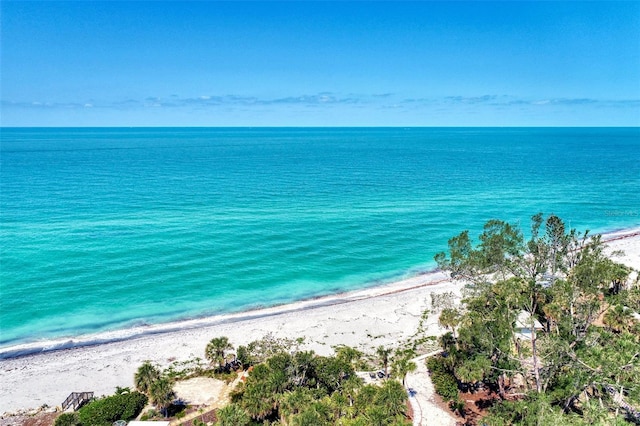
[{"x": 76, "y": 400}]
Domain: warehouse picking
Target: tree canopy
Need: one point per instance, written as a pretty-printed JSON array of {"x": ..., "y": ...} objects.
[
  {"x": 216, "y": 350},
  {"x": 550, "y": 311},
  {"x": 307, "y": 389}
]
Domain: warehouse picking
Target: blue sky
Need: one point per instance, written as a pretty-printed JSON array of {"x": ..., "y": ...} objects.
[{"x": 86, "y": 63}]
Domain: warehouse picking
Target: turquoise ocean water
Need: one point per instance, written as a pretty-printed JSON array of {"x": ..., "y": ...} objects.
[{"x": 105, "y": 229}]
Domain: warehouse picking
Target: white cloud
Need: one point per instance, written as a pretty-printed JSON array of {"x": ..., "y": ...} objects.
[{"x": 327, "y": 100}]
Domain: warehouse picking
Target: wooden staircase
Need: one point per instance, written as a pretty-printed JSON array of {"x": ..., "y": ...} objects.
[{"x": 76, "y": 400}]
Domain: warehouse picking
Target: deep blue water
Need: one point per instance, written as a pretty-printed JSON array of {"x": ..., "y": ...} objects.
[{"x": 107, "y": 228}]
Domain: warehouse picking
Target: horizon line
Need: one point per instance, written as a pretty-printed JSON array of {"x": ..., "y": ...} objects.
[{"x": 323, "y": 127}]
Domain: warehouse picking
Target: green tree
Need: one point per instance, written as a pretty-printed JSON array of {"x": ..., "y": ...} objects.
[
  {"x": 300, "y": 367},
  {"x": 377, "y": 416},
  {"x": 348, "y": 354},
  {"x": 450, "y": 319},
  {"x": 67, "y": 419},
  {"x": 444, "y": 381},
  {"x": 232, "y": 415},
  {"x": 146, "y": 376},
  {"x": 384, "y": 354},
  {"x": 162, "y": 395},
  {"x": 294, "y": 402},
  {"x": 356, "y": 421},
  {"x": 402, "y": 364},
  {"x": 331, "y": 373},
  {"x": 317, "y": 413},
  {"x": 365, "y": 397},
  {"x": 619, "y": 319},
  {"x": 341, "y": 406},
  {"x": 260, "y": 350},
  {"x": 392, "y": 398},
  {"x": 582, "y": 372},
  {"x": 473, "y": 370},
  {"x": 216, "y": 350},
  {"x": 260, "y": 398},
  {"x": 503, "y": 256},
  {"x": 245, "y": 357}
]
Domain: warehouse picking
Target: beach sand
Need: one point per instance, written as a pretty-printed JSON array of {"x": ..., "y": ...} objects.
[{"x": 365, "y": 319}]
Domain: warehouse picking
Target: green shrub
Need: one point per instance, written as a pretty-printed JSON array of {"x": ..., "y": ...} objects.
[
  {"x": 435, "y": 364},
  {"x": 446, "y": 386},
  {"x": 150, "y": 415},
  {"x": 181, "y": 414},
  {"x": 443, "y": 380},
  {"x": 67, "y": 419},
  {"x": 105, "y": 411}
]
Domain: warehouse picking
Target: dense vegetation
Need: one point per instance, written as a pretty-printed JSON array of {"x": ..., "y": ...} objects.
[
  {"x": 149, "y": 380},
  {"x": 287, "y": 385},
  {"x": 546, "y": 322},
  {"x": 124, "y": 405},
  {"x": 67, "y": 419},
  {"x": 443, "y": 380},
  {"x": 301, "y": 388}
]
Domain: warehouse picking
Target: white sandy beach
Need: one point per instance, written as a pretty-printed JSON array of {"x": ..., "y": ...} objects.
[{"x": 365, "y": 319}]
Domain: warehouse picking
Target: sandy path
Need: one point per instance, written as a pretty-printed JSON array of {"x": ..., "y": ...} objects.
[{"x": 426, "y": 411}]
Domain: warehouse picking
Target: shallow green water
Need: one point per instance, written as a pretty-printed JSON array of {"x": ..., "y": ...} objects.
[{"x": 103, "y": 229}]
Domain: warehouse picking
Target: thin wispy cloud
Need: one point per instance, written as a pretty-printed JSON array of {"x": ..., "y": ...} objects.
[
  {"x": 577, "y": 101},
  {"x": 504, "y": 100},
  {"x": 322, "y": 99},
  {"x": 45, "y": 104},
  {"x": 174, "y": 101},
  {"x": 471, "y": 99}
]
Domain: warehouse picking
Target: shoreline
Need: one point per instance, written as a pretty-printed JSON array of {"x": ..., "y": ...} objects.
[
  {"x": 424, "y": 278},
  {"x": 46, "y": 372}
]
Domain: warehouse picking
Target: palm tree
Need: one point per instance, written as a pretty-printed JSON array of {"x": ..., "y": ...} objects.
[
  {"x": 450, "y": 319},
  {"x": 316, "y": 414},
  {"x": 339, "y": 406},
  {"x": 384, "y": 353},
  {"x": 348, "y": 354},
  {"x": 294, "y": 402},
  {"x": 162, "y": 394},
  {"x": 215, "y": 350},
  {"x": 300, "y": 365},
  {"x": 376, "y": 416},
  {"x": 392, "y": 398},
  {"x": 402, "y": 365},
  {"x": 260, "y": 398},
  {"x": 357, "y": 421},
  {"x": 619, "y": 319},
  {"x": 232, "y": 415},
  {"x": 365, "y": 397},
  {"x": 350, "y": 389},
  {"x": 146, "y": 376}
]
